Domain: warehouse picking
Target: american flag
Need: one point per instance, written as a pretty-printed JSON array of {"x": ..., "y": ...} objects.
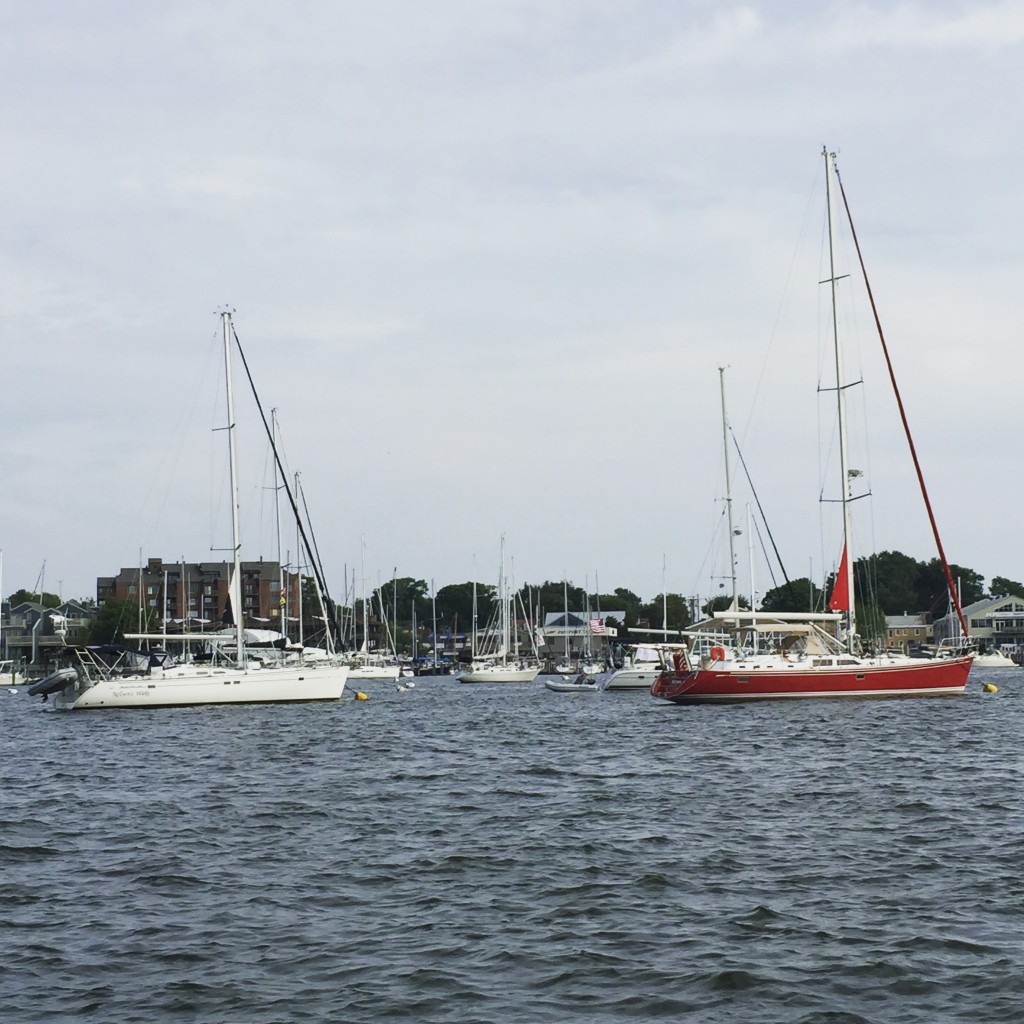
[{"x": 597, "y": 627}]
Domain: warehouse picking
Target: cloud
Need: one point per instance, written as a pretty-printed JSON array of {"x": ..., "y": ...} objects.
[{"x": 486, "y": 261}]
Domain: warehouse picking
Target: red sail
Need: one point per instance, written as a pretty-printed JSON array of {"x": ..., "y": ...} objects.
[{"x": 840, "y": 599}]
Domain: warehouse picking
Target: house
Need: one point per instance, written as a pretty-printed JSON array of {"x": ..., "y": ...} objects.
[
  {"x": 905, "y": 632},
  {"x": 993, "y": 622},
  {"x": 32, "y": 634},
  {"x": 573, "y": 631}
]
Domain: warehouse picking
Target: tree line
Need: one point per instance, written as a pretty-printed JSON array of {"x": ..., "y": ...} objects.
[{"x": 886, "y": 583}]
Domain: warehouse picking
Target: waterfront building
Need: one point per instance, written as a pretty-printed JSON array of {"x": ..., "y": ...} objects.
[{"x": 196, "y": 593}]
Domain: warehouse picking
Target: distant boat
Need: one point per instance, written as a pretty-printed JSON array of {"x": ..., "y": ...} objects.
[
  {"x": 581, "y": 684},
  {"x": 113, "y": 677},
  {"x": 643, "y": 664},
  {"x": 362, "y": 665},
  {"x": 499, "y": 660},
  {"x": 10, "y": 674},
  {"x": 994, "y": 659},
  {"x": 499, "y": 672},
  {"x": 10, "y": 670},
  {"x": 750, "y": 655}
]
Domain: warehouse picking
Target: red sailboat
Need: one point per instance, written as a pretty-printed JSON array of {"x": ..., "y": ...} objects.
[{"x": 751, "y": 655}]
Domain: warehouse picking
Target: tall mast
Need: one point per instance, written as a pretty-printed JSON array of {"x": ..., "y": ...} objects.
[
  {"x": 565, "y": 616},
  {"x": 664, "y": 600},
  {"x": 298, "y": 570},
  {"x": 953, "y": 591},
  {"x": 282, "y": 590},
  {"x": 503, "y": 607},
  {"x": 844, "y": 458},
  {"x": 728, "y": 491},
  {"x": 433, "y": 626},
  {"x": 235, "y": 583}
]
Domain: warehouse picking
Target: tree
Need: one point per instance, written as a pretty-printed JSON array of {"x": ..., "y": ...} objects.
[
  {"x": 795, "y": 596},
  {"x": 117, "y": 616},
  {"x": 933, "y": 591},
  {"x": 1002, "y": 587},
  {"x": 676, "y": 606},
  {"x": 404, "y": 593},
  {"x": 455, "y": 605},
  {"x": 26, "y": 597},
  {"x": 871, "y": 624},
  {"x": 723, "y": 603},
  {"x": 891, "y": 580}
]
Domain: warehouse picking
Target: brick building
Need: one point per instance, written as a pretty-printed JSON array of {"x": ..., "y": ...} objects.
[{"x": 198, "y": 591}]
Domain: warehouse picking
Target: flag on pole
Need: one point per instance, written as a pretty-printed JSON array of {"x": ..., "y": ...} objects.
[{"x": 597, "y": 627}]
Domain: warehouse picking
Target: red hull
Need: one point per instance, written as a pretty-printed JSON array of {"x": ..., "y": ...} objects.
[{"x": 939, "y": 678}]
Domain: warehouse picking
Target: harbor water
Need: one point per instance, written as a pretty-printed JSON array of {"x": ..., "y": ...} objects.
[{"x": 503, "y": 853}]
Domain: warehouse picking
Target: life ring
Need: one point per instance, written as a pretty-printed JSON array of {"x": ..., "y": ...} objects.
[{"x": 717, "y": 653}]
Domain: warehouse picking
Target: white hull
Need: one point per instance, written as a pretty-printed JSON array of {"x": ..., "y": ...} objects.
[
  {"x": 633, "y": 678},
  {"x": 9, "y": 676},
  {"x": 993, "y": 659},
  {"x": 571, "y": 686},
  {"x": 185, "y": 685},
  {"x": 386, "y": 673},
  {"x": 499, "y": 674}
]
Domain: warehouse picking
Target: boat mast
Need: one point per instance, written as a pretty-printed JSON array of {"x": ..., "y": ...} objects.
[
  {"x": 503, "y": 605},
  {"x": 565, "y": 616},
  {"x": 298, "y": 571},
  {"x": 844, "y": 457},
  {"x": 235, "y": 583},
  {"x": 953, "y": 592},
  {"x": 728, "y": 491},
  {"x": 664, "y": 600},
  {"x": 433, "y": 615},
  {"x": 282, "y": 591}
]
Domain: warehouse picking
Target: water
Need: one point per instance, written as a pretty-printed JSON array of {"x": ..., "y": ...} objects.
[{"x": 508, "y": 854}]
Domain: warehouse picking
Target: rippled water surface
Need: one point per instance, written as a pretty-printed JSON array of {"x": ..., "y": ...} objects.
[{"x": 504, "y": 853}]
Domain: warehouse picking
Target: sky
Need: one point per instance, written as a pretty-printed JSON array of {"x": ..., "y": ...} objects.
[{"x": 486, "y": 260}]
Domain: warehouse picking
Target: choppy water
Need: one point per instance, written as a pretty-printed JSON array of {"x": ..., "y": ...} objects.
[{"x": 507, "y": 854}]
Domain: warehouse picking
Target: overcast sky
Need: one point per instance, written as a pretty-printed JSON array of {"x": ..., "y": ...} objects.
[{"x": 486, "y": 258}]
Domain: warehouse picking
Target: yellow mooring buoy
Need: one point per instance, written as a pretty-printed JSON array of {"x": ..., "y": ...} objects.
[
  {"x": 361, "y": 696},
  {"x": 990, "y": 688}
]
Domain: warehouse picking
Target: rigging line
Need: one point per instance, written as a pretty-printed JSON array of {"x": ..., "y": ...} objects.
[
  {"x": 321, "y": 582},
  {"x": 764, "y": 518},
  {"x": 784, "y": 301},
  {"x": 315, "y": 552},
  {"x": 954, "y": 596},
  {"x": 764, "y": 551}
]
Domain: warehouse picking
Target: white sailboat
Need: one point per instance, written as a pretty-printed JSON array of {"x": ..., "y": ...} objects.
[
  {"x": 108, "y": 678},
  {"x": 499, "y": 660}
]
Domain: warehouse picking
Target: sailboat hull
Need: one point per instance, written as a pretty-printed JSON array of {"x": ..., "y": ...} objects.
[
  {"x": 632, "y": 678},
  {"x": 213, "y": 686},
  {"x": 940, "y": 678},
  {"x": 500, "y": 674}
]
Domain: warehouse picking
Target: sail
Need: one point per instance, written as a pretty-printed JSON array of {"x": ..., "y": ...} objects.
[{"x": 840, "y": 599}]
